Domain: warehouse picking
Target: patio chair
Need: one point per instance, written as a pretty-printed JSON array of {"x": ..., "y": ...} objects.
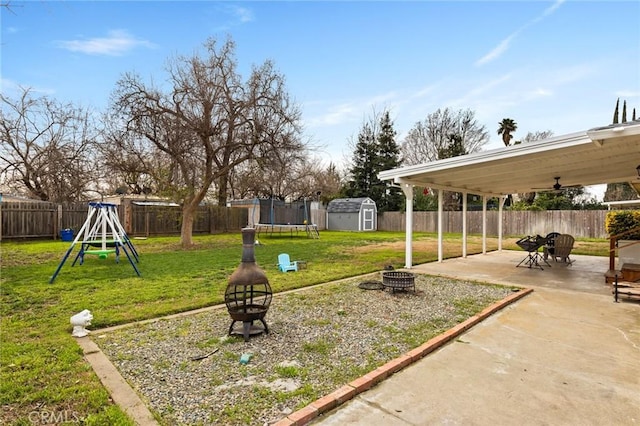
[
  {"x": 562, "y": 248},
  {"x": 285, "y": 264},
  {"x": 548, "y": 248}
]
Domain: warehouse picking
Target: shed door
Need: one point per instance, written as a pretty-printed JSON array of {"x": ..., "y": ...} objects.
[{"x": 368, "y": 219}]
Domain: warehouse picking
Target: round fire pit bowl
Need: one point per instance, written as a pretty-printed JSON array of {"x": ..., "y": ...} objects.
[
  {"x": 247, "y": 314},
  {"x": 398, "y": 281}
]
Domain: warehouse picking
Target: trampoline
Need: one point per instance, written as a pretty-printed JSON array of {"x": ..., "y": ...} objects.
[{"x": 277, "y": 216}]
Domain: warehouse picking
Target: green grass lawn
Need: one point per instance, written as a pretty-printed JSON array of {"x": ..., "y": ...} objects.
[{"x": 42, "y": 372}]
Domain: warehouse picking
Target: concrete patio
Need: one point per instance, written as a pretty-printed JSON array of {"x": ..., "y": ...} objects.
[{"x": 564, "y": 355}]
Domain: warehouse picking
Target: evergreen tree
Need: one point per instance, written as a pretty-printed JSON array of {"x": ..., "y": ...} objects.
[
  {"x": 364, "y": 165},
  {"x": 389, "y": 158},
  {"x": 376, "y": 150},
  {"x": 620, "y": 191}
]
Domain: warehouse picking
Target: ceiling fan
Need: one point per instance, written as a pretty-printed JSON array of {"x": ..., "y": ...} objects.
[{"x": 557, "y": 187}]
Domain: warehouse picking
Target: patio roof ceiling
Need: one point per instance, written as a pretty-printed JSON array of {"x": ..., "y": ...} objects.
[{"x": 602, "y": 155}]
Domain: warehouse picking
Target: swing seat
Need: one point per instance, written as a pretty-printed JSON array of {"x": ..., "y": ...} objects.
[{"x": 102, "y": 254}]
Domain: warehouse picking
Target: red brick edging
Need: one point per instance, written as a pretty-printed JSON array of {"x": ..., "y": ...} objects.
[{"x": 361, "y": 384}]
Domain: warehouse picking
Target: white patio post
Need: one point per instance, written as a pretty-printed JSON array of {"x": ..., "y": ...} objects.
[
  {"x": 484, "y": 224},
  {"x": 408, "y": 252},
  {"x": 440, "y": 203},
  {"x": 464, "y": 224},
  {"x": 500, "y": 218}
]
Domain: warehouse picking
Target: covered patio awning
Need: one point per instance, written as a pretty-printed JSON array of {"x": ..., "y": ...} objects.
[{"x": 609, "y": 154}]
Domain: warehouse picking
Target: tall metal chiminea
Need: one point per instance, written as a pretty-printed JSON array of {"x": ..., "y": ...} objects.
[{"x": 248, "y": 294}]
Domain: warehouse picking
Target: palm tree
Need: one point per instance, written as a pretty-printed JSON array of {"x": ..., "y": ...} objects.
[{"x": 507, "y": 126}]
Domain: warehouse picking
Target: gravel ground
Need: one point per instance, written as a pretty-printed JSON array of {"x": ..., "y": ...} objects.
[{"x": 320, "y": 338}]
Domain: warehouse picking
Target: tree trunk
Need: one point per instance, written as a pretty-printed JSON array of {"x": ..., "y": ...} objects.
[
  {"x": 223, "y": 181},
  {"x": 186, "y": 230}
]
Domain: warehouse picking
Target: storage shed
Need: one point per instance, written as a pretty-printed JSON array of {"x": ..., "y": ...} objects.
[{"x": 352, "y": 214}]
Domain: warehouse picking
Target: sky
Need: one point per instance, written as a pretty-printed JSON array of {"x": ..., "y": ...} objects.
[{"x": 548, "y": 65}]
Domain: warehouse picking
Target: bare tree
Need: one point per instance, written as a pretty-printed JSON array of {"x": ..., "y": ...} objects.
[
  {"x": 130, "y": 161},
  {"x": 535, "y": 136},
  {"x": 8, "y": 6},
  {"x": 325, "y": 181},
  {"x": 276, "y": 175},
  {"x": 288, "y": 177},
  {"x": 206, "y": 123},
  {"x": 529, "y": 197},
  {"x": 432, "y": 136},
  {"x": 46, "y": 148}
]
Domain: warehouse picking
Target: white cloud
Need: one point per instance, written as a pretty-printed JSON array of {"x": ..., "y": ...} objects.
[
  {"x": 548, "y": 11},
  {"x": 426, "y": 91},
  {"x": 232, "y": 16},
  {"x": 117, "y": 43},
  {"x": 571, "y": 74},
  {"x": 7, "y": 85},
  {"x": 496, "y": 52},
  {"x": 242, "y": 13},
  {"x": 481, "y": 93},
  {"x": 352, "y": 111},
  {"x": 627, "y": 94},
  {"x": 335, "y": 115},
  {"x": 504, "y": 45},
  {"x": 13, "y": 88},
  {"x": 540, "y": 93}
]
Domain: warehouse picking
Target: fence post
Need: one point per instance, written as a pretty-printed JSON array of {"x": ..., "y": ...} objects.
[
  {"x": 146, "y": 221},
  {"x": 127, "y": 213},
  {"x": 58, "y": 222}
]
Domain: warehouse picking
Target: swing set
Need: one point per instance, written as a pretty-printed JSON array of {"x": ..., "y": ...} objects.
[{"x": 101, "y": 234}]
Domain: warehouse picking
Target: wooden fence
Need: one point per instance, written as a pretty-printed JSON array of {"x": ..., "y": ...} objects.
[
  {"x": 45, "y": 220},
  {"x": 164, "y": 220},
  {"x": 22, "y": 220},
  {"x": 579, "y": 223}
]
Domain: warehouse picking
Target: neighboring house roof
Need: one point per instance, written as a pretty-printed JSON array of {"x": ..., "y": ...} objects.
[
  {"x": 156, "y": 203},
  {"x": 347, "y": 205},
  {"x": 19, "y": 199},
  {"x": 622, "y": 204},
  {"x": 140, "y": 199},
  {"x": 601, "y": 155}
]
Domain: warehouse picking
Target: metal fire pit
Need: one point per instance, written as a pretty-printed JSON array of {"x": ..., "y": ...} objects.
[
  {"x": 398, "y": 280},
  {"x": 248, "y": 294}
]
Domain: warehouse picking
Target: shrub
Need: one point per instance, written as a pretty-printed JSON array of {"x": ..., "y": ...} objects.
[{"x": 621, "y": 221}]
